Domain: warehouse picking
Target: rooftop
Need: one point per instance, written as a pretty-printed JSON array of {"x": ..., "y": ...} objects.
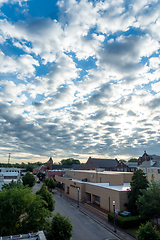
[
  {"x": 103, "y": 172},
  {"x": 124, "y": 187}
]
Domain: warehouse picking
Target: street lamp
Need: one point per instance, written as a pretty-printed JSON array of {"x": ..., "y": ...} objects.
[
  {"x": 114, "y": 216},
  {"x": 78, "y": 199},
  {"x": 61, "y": 189}
]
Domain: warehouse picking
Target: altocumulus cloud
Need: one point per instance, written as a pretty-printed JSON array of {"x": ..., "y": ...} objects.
[{"x": 79, "y": 79}]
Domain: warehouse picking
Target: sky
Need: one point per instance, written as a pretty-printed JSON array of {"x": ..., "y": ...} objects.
[{"x": 78, "y": 79}]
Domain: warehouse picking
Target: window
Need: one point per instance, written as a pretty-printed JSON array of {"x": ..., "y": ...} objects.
[
  {"x": 144, "y": 170},
  {"x": 158, "y": 171},
  {"x": 149, "y": 171},
  {"x": 97, "y": 198},
  {"x": 73, "y": 173},
  {"x": 152, "y": 171},
  {"x": 92, "y": 176},
  {"x": 132, "y": 169},
  {"x": 125, "y": 169}
]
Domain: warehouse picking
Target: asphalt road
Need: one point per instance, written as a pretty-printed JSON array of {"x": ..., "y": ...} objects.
[{"x": 84, "y": 228}]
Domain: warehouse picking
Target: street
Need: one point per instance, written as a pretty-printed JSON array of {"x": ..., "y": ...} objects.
[{"x": 84, "y": 228}]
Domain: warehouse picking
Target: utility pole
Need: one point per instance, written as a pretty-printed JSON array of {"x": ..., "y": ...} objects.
[{"x": 9, "y": 158}]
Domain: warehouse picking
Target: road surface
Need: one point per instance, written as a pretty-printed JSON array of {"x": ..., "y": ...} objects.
[{"x": 84, "y": 228}]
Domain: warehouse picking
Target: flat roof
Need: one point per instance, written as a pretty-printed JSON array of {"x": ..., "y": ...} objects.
[
  {"x": 124, "y": 187},
  {"x": 103, "y": 172}
]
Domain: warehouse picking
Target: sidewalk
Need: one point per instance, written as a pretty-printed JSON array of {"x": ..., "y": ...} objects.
[{"x": 120, "y": 233}]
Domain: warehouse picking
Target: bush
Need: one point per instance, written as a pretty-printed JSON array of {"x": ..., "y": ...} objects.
[{"x": 126, "y": 222}]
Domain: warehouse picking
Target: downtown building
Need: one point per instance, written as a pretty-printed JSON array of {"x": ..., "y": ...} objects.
[{"x": 97, "y": 186}]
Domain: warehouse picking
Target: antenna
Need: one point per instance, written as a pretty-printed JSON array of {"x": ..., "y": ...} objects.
[{"x": 9, "y": 158}]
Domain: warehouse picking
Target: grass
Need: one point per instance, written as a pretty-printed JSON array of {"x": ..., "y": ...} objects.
[{"x": 132, "y": 231}]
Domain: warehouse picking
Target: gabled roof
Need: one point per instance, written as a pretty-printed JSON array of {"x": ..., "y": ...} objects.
[
  {"x": 77, "y": 166},
  {"x": 61, "y": 166},
  {"x": 38, "y": 168},
  {"x": 105, "y": 163},
  {"x": 131, "y": 164}
]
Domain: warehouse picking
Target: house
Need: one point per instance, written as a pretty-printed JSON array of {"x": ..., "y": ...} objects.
[
  {"x": 126, "y": 167},
  {"x": 106, "y": 164},
  {"x": 46, "y": 166},
  {"x": 145, "y": 157},
  {"x": 150, "y": 164},
  {"x": 97, "y": 186}
]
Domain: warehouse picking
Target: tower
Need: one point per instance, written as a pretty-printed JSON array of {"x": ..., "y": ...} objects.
[{"x": 9, "y": 158}]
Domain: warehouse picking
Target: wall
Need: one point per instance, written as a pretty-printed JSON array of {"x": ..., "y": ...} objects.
[
  {"x": 114, "y": 178},
  {"x": 149, "y": 175},
  {"x": 88, "y": 192}
]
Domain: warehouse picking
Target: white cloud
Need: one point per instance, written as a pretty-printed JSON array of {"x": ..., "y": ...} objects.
[{"x": 23, "y": 65}]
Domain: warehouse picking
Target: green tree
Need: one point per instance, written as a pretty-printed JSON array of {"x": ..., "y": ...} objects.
[
  {"x": 22, "y": 211},
  {"x": 61, "y": 228},
  {"x": 28, "y": 179},
  {"x": 70, "y": 161},
  {"x": 133, "y": 160},
  {"x": 139, "y": 181},
  {"x": 47, "y": 196},
  {"x": 41, "y": 176},
  {"x": 148, "y": 203},
  {"x": 12, "y": 184},
  {"x": 147, "y": 231},
  {"x": 122, "y": 160},
  {"x": 50, "y": 183}
]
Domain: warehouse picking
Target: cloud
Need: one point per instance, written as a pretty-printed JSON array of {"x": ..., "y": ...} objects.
[{"x": 85, "y": 83}]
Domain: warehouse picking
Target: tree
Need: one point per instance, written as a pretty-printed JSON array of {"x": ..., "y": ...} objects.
[
  {"x": 28, "y": 179},
  {"x": 50, "y": 183},
  {"x": 147, "y": 231},
  {"x": 61, "y": 228},
  {"x": 139, "y": 181},
  {"x": 122, "y": 160},
  {"x": 47, "y": 196},
  {"x": 41, "y": 175},
  {"x": 22, "y": 211},
  {"x": 148, "y": 203},
  {"x": 70, "y": 161},
  {"x": 12, "y": 184},
  {"x": 133, "y": 160}
]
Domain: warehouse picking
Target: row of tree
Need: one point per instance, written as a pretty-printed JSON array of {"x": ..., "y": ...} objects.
[
  {"x": 22, "y": 211},
  {"x": 144, "y": 199}
]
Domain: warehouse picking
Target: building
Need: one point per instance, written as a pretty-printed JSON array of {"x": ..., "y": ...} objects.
[
  {"x": 106, "y": 164},
  {"x": 126, "y": 167},
  {"x": 32, "y": 236},
  {"x": 46, "y": 166},
  {"x": 100, "y": 187},
  {"x": 52, "y": 173},
  {"x": 9, "y": 174},
  {"x": 150, "y": 164}
]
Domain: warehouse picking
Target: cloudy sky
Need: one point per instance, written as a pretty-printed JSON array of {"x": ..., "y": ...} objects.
[{"x": 79, "y": 79}]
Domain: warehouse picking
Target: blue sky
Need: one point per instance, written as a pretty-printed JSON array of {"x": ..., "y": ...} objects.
[{"x": 79, "y": 79}]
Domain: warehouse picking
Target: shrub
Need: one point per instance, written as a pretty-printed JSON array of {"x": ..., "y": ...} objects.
[{"x": 126, "y": 222}]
